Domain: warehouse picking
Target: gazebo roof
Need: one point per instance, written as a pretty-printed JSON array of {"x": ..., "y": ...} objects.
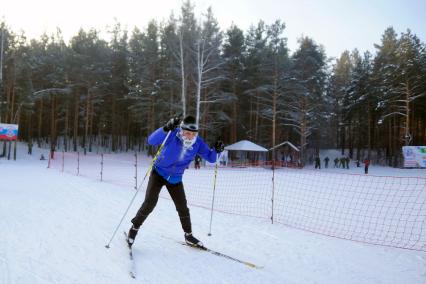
[
  {"x": 288, "y": 143},
  {"x": 245, "y": 145}
]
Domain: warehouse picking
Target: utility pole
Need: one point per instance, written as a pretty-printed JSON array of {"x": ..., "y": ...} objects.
[
  {"x": 1, "y": 66},
  {"x": 1, "y": 57}
]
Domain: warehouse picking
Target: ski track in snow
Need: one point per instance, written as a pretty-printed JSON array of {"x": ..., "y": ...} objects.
[{"x": 54, "y": 226}]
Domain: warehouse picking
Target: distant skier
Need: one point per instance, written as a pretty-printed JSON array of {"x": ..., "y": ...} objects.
[
  {"x": 30, "y": 147},
  {"x": 318, "y": 163},
  {"x": 366, "y": 165},
  {"x": 197, "y": 162},
  {"x": 326, "y": 160},
  {"x": 179, "y": 150},
  {"x": 336, "y": 162},
  {"x": 342, "y": 162}
]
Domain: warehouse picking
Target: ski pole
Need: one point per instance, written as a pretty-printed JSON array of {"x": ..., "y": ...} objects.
[
  {"x": 134, "y": 196},
  {"x": 214, "y": 191}
]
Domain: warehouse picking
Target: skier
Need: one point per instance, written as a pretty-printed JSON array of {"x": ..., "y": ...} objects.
[
  {"x": 317, "y": 163},
  {"x": 30, "y": 147},
  {"x": 326, "y": 160},
  {"x": 366, "y": 165},
  {"x": 179, "y": 150},
  {"x": 197, "y": 162},
  {"x": 336, "y": 162},
  {"x": 343, "y": 162}
]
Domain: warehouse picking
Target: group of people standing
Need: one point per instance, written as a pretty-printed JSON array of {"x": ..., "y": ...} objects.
[{"x": 342, "y": 162}]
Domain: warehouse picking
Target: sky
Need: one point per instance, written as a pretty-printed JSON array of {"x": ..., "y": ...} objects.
[{"x": 338, "y": 25}]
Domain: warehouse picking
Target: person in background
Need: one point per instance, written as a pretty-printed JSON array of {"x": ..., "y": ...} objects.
[
  {"x": 317, "y": 162},
  {"x": 366, "y": 165},
  {"x": 197, "y": 162},
  {"x": 30, "y": 147},
  {"x": 326, "y": 160},
  {"x": 336, "y": 162},
  {"x": 180, "y": 148},
  {"x": 342, "y": 162}
]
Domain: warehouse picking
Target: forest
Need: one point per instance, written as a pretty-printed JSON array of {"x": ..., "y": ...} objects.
[{"x": 90, "y": 92}]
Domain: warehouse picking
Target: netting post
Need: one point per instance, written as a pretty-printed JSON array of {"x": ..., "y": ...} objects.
[
  {"x": 273, "y": 186},
  {"x": 48, "y": 162},
  {"x": 136, "y": 170},
  {"x": 102, "y": 164},
  {"x": 63, "y": 160},
  {"x": 78, "y": 163}
]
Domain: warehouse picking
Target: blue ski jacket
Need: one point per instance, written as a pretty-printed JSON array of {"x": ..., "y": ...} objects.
[{"x": 174, "y": 158}]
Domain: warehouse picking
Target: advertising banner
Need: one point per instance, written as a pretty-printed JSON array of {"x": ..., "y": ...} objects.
[
  {"x": 8, "y": 131},
  {"x": 414, "y": 156}
]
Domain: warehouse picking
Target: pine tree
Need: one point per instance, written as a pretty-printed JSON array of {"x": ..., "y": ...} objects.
[
  {"x": 254, "y": 77},
  {"x": 339, "y": 81},
  {"x": 233, "y": 56},
  {"x": 306, "y": 94}
]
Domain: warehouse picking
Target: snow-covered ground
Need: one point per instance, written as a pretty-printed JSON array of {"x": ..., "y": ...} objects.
[{"x": 54, "y": 227}]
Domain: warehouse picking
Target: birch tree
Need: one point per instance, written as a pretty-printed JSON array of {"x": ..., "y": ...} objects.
[
  {"x": 410, "y": 86},
  {"x": 209, "y": 62},
  {"x": 276, "y": 65}
]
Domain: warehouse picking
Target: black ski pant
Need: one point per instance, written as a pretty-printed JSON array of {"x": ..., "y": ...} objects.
[{"x": 177, "y": 193}]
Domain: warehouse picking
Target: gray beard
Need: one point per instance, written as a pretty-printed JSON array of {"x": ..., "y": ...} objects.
[{"x": 186, "y": 142}]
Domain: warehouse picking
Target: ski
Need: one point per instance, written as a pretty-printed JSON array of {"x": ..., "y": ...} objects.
[
  {"x": 203, "y": 248},
  {"x": 132, "y": 270}
]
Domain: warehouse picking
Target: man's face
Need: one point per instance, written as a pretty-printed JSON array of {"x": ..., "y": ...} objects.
[{"x": 189, "y": 134}]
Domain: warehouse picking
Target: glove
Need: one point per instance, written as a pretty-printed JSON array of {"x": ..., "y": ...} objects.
[
  {"x": 172, "y": 124},
  {"x": 219, "y": 146}
]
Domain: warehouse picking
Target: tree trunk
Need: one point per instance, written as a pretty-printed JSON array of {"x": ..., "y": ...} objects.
[
  {"x": 40, "y": 121},
  {"x": 18, "y": 114},
  {"x": 274, "y": 112},
  {"x": 113, "y": 123},
  {"x": 351, "y": 144},
  {"x": 303, "y": 140},
  {"x": 52, "y": 128},
  {"x": 76, "y": 115},
  {"x": 369, "y": 123},
  {"x": 66, "y": 122},
  {"x": 91, "y": 126},
  {"x": 86, "y": 124},
  {"x": 256, "y": 119},
  {"x": 12, "y": 110},
  {"x": 234, "y": 116},
  {"x": 407, "y": 135},
  {"x": 251, "y": 126},
  {"x": 343, "y": 138}
]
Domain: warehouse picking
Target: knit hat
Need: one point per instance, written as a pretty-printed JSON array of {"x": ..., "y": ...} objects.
[{"x": 189, "y": 124}]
